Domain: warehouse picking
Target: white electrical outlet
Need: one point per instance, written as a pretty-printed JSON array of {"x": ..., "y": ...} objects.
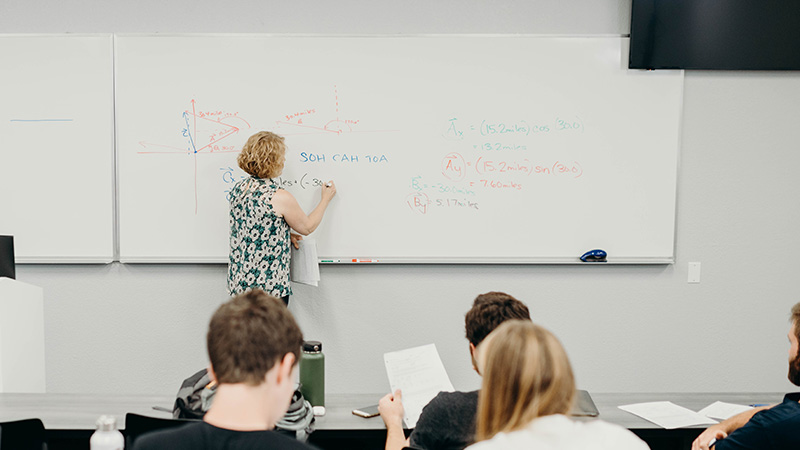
[{"x": 694, "y": 272}]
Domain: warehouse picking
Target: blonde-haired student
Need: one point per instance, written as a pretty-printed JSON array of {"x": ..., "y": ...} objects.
[{"x": 528, "y": 390}]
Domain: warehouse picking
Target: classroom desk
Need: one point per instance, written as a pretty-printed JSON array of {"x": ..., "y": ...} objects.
[
  {"x": 70, "y": 418},
  {"x": 659, "y": 438}
]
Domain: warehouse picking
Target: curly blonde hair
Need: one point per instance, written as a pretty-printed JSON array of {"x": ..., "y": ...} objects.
[{"x": 262, "y": 155}]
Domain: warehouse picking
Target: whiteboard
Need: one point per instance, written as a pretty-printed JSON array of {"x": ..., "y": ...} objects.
[
  {"x": 444, "y": 148},
  {"x": 57, "y": 147}
]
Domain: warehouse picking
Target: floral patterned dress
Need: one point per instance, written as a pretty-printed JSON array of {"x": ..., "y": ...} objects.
[{"x": 260, "y": 244}]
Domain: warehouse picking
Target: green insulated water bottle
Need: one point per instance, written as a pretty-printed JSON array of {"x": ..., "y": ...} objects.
[{"x": 312, "y": 373}]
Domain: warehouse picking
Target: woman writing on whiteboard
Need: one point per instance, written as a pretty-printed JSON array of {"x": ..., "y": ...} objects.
[{"x": 261, "y": 217}]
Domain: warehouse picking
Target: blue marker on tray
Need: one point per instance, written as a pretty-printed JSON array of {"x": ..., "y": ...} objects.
[{"x": 595, "y": 255}]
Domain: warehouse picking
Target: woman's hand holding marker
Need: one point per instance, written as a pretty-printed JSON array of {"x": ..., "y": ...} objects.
[{"x": 328, "y": 190}]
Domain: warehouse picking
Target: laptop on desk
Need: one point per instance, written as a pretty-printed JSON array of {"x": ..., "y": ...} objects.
[
  {"x": 7, "y": 268},
  {"x": 584, "y": 405}
]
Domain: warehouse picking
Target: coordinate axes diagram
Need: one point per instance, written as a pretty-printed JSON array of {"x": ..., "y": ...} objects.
[
  {"x": 315, "y": 121},
  {"x": 215, "y": 127},
  {"x": 203, "y": 133}
]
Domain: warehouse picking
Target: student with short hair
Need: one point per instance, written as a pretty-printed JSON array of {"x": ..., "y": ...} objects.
[
  {"x": 448, "y": 421},
  {"x": 254, "y": 345},
  {"x": 528, "y": 389}
]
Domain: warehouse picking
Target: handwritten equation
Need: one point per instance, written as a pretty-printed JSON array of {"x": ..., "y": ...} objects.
[
  {"x": 418, "y": 183},
  {"x": 495, "y": 156},
  {"x": 303, "y": 181},
  {"x": 499, "y": 146},
  {"x": 420, "y": 202},
  {"x": 455, "y": 167},
  {"x": 458, "y": 130}
]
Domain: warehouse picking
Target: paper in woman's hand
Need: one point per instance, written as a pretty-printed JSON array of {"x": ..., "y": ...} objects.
[{"x": 305, "y": 266}]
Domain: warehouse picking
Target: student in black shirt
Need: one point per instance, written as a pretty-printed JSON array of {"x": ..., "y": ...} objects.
[
  {"x": 775, "y": 427},
  {"x": 448, "y": 421},
  {"x": 253, "y": 345}
]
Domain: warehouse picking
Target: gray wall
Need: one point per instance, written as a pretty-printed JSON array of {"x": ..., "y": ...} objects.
[{"x": 140, "y": 328}]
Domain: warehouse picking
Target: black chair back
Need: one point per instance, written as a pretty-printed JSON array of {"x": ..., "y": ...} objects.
[
  {"x": 137, "y": 425},
  {"x": 25, "y": 434}
]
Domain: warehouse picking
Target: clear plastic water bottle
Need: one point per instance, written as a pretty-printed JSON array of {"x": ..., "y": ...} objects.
[
  {"x": 312, "y": 373},
  {"x": 107, "y": 437}
]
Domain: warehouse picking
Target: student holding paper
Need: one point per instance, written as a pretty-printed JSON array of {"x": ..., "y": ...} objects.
[
  {"x": 261, "y": 215},
  {"x": 448, "y": 421},
  {"x": 528, "y": 390}
]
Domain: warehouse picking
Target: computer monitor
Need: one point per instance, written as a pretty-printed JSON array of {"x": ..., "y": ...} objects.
[{"x": 7, "y": 268}]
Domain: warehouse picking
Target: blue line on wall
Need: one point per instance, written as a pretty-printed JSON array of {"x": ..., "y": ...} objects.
[{"x": 41, "y": 120}]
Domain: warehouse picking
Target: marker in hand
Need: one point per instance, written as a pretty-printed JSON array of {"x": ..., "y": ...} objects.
[
  {"x": 330, "y": 185},
  {"x": 329, "y": 189}
]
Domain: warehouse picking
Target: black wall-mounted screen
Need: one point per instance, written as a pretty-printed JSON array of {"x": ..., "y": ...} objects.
[
  {"x": 715, "y": 34},
  {"x": 7, "y": 268}
]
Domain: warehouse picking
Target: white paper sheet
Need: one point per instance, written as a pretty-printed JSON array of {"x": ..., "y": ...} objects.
[
  {"x": 305, "y": 265},
  {"x": 722, "y": 410},
  {"x": 667, "y": 414},
  {"x": 420, "y": 375}
]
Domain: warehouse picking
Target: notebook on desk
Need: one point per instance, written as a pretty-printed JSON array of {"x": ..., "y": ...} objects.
[{"x": 584, "y": 405}]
